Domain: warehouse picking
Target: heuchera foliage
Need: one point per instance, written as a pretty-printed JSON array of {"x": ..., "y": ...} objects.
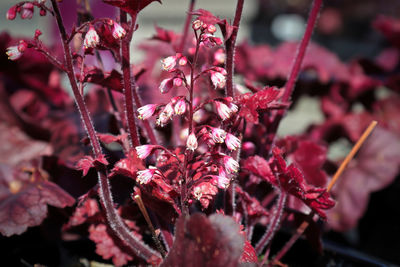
[{"x": 187, "y": 162}]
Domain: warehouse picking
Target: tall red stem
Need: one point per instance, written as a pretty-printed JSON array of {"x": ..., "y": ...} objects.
[
  {"x": 114, "y": 220},
  {"x": 186, "y": 27},
  {"x": 230, "y": 49}
]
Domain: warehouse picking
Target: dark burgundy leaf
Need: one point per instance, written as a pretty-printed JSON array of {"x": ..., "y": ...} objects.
[
  {"x": 202, "y": 241},
  {"x": 164, "y": 35},
  {"x": 128, "y": 166},
  {"x": 24, "y": 198},
  {"x": 89, "y": 162},
  {"x": 375, "y": 167}
]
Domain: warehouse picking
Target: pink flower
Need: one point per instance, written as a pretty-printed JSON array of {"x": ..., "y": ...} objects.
[
  {"x": 165, "y": 115},
  {"x": 166, "y": 85},
  {"x": 232, "y": 142},
  {"x": 222, "y": 179},
  {"x": 27, "y": 11},
  {"x": 145, "y": 176},
  {"x": 118, "y": 32},
  {"x": 144, "y": 151},
  {"x": 92, "y": 39},
  {"x": 180, "y": 107},
  {"x": 146, "y": 111},
  {"x": 168, "y": 63},
  {"x": 218, "y": 135},
  {"x": 224, "y": 112},
  {"x": 233, "y": 108},
  {"x": 191, "y": 142},
  {"x": 177, "y": 82},
  {"x": 218, "y": 79},
  {"x": 230, "y": 164},
  {"x": 13, "y": 52},
  {"x": 197, "y": 24}
]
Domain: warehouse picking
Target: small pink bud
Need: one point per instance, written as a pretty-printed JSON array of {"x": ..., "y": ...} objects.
[
  {"x": 232, "y": 142},
  {"x": 166, "y": 85},
  {"x": 182, "y": 61},
  {"x": 22, "y": 46},
  {"x": 230, "y": 164},
  {"x": 118, "y": 32},
  {"x": 197, "y": 24},
  {"x": 92, "y": 39},
  {"x": 168, "y": 63},
  {"x": 221, "y": 70},
  {"x": 219, "y": 57},
  {"x": 180, "y": 107},
  {"x": 234, "y": 108},
  {"x": 42, "y": 12},
  {"x": 144, "y": 151},
  {"x": 218, "y": 135},
  {"x": 223, "y": 179},
  {"x": 191, "y": 142},
  {"x": 37, "y": 33},
  {"x": 11, "y": 13},
  {"x": 218, "y": 79},
  {"x": 27, "y": 11},
  {"x": 146, "y": 111},
  {"x": 13, "y": 53},
  {"x": 224, "y": 112},
  {"x": 145, "y": 176},
  {"x": 177, "y": 82}
]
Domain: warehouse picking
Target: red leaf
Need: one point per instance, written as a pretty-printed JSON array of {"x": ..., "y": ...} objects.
[
  {"x": 310, "y": 157},
  {"x": 249, "y": 253},
  {"x": 83, "y": 211},
  {"x": 128, "y": 166},
  {"x": 89, "y": 162},
  {"x": 375, "y": 167},
  {"x": 164, "y": 35},
  {"x": 206, "y": 16},
  {"x": 106, "y": 247},
  {"x": 201, "y": 241},
  {"x": 130, "y": 6},
  {"x": 264, "y": 99},
  {"x": 24, "y": 199},
  {"x": 292, "y": 181}
]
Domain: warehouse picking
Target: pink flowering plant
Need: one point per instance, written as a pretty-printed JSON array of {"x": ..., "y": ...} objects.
[{"x": 171, "y": 162}]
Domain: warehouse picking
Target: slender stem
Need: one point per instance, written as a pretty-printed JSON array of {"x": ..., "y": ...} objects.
[
  {"x": 300, "y": 230},
  {"x": 273, "y": 226},
  {"x": 113, "y": 218},
  {"x": 294, "y": 73},
  {"x": 142, "y": 208},
  {"x": 130, "y": 87},
  {"x": 186, "y": 27},
  {"x": 230, "y": 49},
  {"x": 188, "y": 152},
  {"x": 127, "y": 79}
]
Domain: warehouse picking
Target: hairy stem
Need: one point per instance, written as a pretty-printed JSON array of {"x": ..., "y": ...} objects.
[
  {"x": 130, "y": 87},
  {"x": 274, "y": 224},
  {"x": 186, "y": 27},
  {"x": 127, "y": 79},
  {"x": 113, "y": 218},
  {"x": 294, "y": 73},
  {"x": 230, "y": 49}
]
